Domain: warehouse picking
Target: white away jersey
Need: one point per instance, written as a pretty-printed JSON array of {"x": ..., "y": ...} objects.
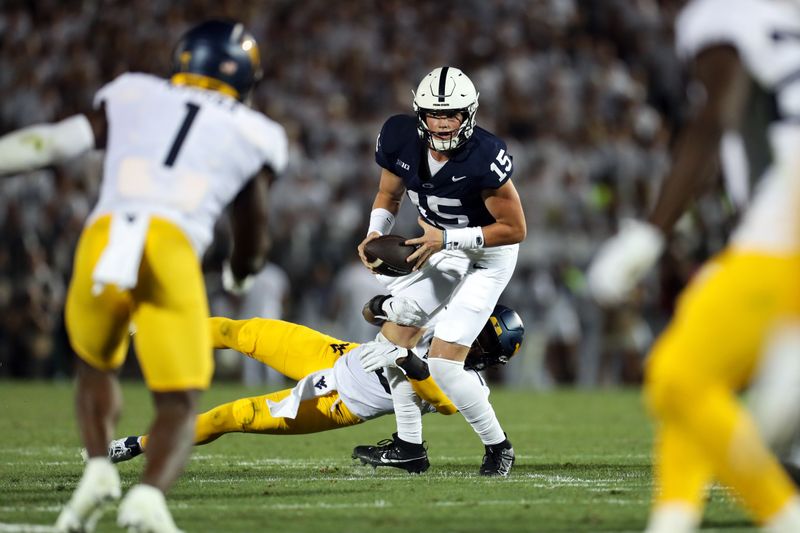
[
  {"x": 365, "y": 395},
  {"x": 181, "y": 153},
  {"x": 766, "y": 35},
  {"x": 368, "y": 395}
]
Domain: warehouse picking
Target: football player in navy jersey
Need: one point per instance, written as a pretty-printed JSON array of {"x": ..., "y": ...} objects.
[{"x": 458, "y": 175}]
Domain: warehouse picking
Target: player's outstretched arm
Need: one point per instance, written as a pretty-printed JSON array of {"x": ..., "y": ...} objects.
[
  {"x": 45, "y": 144},
  {"x": 624, "y": 259},
  {"x": 428, "y": 390},
  {"x": 723, "y": 87},
  {"x": 416, "y": 370}
]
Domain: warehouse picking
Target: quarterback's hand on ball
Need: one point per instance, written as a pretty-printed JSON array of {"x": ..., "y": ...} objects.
[
  {"x": 623, "y": 261},
  {"x": 237, "y": 287},
  {"x": 370, "y": 236},
  {"x": 375, "y": 355},
  {"x": 430, "y": 242}
]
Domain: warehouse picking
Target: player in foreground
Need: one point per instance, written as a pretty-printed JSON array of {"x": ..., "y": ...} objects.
[
  {"x": 743, "y": 299},
  {"x": 177, "y": 152},
  {"x": 333, "y": 390},
  {"x": 458, "y": 176}
]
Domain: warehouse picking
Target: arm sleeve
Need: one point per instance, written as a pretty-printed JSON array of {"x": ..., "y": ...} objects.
[{"x": 428, "y": 390}]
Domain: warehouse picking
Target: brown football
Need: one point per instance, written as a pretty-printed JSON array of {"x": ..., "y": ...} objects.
[{"x": 387, "y": 255}]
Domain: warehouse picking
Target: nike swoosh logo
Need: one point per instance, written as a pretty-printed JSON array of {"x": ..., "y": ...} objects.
[
  {"x": 386, "y": 460},
  {"x": 458, "y": 179}
]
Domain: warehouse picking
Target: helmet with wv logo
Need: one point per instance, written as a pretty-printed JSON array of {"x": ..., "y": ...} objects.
[
  {"x": 498, "y": 341},
  {"x": 220, "y": 55},
  {"x": 446, "y": 91}
]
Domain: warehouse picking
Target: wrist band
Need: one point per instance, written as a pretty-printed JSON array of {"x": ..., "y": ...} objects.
[
  {"x": 463, "y": 238},
  {"x": 380, "y": 221}
]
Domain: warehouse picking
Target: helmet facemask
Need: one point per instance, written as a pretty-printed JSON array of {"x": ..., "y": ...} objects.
[{"x": 446, "y": 91}]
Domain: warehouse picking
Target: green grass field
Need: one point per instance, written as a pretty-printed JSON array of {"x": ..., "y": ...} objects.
[{"x": 583, "y": 464}]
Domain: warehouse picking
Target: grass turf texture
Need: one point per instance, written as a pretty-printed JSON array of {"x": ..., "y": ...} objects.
[{"x": 583, "y": 464}]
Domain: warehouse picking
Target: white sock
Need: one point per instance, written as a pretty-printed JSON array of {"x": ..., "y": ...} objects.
[
  {"x": 470, "y": 399},
  {"x": 407, "y": 405},
  {"x": 775, "y": 390},
  {"x": 787, "y": 520},
  {"x": 673, "y": 517}
]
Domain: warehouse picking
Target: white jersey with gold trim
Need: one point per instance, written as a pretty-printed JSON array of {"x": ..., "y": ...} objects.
[
  {"x": 181, "y": 153},
  {"x": 766, "y": 35}
]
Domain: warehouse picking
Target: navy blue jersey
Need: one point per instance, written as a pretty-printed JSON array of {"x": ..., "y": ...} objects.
[{"x": 452, "y": 198}]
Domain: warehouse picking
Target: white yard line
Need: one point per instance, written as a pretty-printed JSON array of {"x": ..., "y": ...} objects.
[{"x": 25, "y": 528}]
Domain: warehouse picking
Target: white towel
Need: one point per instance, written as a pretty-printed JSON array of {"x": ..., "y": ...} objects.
[
  {"x": 320, "y": 383},
  {"x": 119, "y": 263}
]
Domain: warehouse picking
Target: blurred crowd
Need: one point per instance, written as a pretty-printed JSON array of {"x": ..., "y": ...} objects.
[{"x": 585, "y": 92}]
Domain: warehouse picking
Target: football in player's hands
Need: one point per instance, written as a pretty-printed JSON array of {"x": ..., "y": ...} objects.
[{"x": 387, "y": 255}]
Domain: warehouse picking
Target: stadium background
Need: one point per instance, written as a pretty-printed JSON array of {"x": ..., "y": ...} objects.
[{"x": 585, "y": 92}]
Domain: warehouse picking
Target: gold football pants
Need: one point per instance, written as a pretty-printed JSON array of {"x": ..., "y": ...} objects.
[
  {"x": 707, "y": 354},
  {"x": 168, "y": 307}
]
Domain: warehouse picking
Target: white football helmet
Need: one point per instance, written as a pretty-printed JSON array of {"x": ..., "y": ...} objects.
[{"x": 446, "y": 90}]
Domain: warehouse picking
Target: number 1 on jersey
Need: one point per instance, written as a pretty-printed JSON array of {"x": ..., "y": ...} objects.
[{"x": 191, "y": 113}]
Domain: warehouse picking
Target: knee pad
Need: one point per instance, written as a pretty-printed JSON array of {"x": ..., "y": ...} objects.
[{"x": 244, "y": 412}]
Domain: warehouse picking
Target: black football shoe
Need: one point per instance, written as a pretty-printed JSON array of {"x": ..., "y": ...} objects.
[
  {"x": 498, "y": 459},
  {"x": 394, "y": 452},
  {"x": 124, "y": 449}
]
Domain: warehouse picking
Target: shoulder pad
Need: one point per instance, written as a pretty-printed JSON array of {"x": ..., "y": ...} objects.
[{"x": 397, "y": 131}]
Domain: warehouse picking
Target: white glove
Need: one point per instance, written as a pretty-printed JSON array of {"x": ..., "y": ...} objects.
[
  {"x": 404, "y": 311},
  {"x": 623, "y": 261},
  {"x": 374, "y": 355},
  {"x": 232, "y": 285}
]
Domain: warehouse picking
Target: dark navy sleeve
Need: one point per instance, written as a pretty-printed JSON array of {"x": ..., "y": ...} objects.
[
  {"x": 499, "y": 163},
  {"x": 395, "y": 133}
]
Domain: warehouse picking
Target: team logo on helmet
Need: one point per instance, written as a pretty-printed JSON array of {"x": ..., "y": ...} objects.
[{"x": 498, "y": 341}]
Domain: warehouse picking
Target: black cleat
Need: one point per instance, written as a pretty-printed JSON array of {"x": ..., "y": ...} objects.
[
  {"x": 498, "y": 459},
  {"x": 124, "y": 449},
  {"x": 394, "y": 452}
]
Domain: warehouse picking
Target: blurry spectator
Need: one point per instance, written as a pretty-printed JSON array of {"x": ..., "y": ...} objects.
[{"x": 585, "y": 91}]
